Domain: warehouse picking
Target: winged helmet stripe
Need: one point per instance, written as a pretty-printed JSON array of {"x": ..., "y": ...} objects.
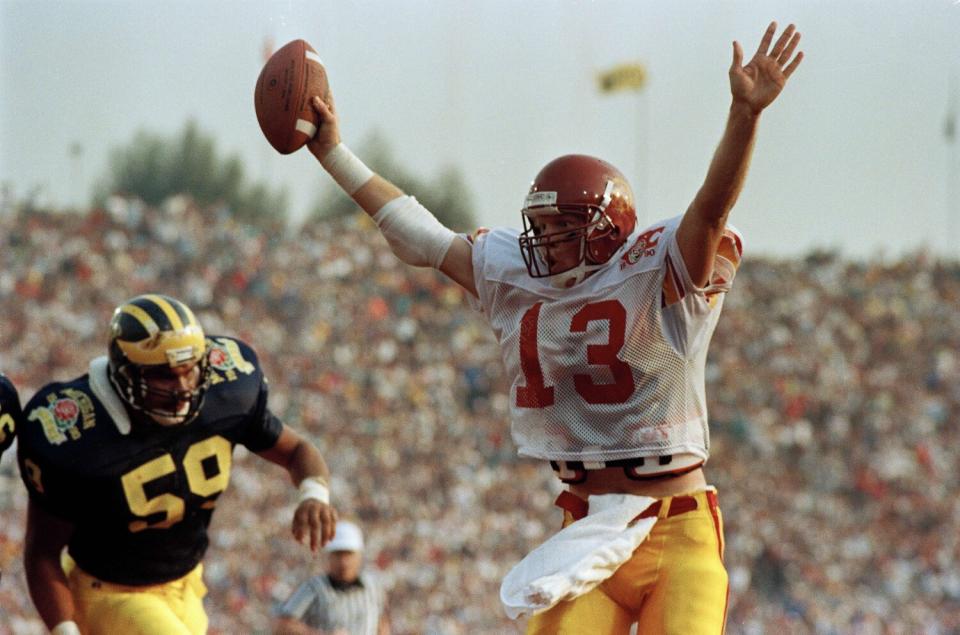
[
  {"x": 142, "y": 317},
  {"x": 167, "y": 307}
]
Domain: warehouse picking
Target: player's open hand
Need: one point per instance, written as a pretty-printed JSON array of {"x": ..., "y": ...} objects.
[
  {"x": 314, "y": 523},
  {"x": 758, "y": 83},
  {"x": 328, "y": 130}
]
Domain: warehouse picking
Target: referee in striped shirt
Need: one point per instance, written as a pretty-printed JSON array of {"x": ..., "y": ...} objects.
[{"x": 344, "y": 601}]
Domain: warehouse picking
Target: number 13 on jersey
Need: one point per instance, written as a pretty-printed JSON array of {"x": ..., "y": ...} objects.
[{"x": 535, "y": 393}]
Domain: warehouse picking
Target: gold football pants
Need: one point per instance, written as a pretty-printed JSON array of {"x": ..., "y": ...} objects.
[
  {"x": 105, "y": 608},
  {"x": 675, "y": 583}
]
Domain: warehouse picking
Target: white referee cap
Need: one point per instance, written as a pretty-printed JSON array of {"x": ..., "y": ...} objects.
[{"x": 348, "y": 537}]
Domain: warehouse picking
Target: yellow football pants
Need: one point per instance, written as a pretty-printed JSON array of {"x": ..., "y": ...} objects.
[
  {"x": 675, "y": 583},
  {"x": 105, "y": 608}
]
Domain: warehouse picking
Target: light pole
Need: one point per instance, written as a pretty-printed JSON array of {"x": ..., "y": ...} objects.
[
  {"x": 75, "y": 152},
  {"x": 953, "y": 174},
  {"x": 632, "y": 76}
]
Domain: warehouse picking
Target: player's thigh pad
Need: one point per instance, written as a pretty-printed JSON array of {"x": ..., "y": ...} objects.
[
  {"x": 593, "y": 612},
  {"x": 175, "y": 607},
  {"x": 675, "y": 584},
  {"x": 690, "y": 594}
]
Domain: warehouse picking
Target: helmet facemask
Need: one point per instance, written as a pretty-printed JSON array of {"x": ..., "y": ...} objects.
[
  {"x": 589, "y": 233},
  {"x": 165, "y": 407}
]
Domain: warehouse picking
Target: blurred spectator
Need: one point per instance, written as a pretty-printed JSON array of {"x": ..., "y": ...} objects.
[{"x": 834, "y": 395}]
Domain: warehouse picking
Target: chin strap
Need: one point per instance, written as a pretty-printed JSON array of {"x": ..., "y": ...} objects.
[{"x": 574, "y": 276}]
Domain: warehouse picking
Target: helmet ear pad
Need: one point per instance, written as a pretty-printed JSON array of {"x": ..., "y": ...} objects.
[{"x": 618, "y": 222}]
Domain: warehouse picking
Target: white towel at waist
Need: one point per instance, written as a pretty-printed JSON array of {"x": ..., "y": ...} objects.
[{"x": 578, "y": 557}]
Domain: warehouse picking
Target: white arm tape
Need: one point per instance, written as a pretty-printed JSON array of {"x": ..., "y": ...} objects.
[
  {"x": 414, "y": 234},
  {"x": 316, "y": 488},
  {"x": 347, "y": 170},
  {"x": 65, "y": 628},
  {"x": 721, "y": 279}
]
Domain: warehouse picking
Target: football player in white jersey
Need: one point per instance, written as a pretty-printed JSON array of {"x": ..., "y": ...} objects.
[{"x": 604, "y": 329}]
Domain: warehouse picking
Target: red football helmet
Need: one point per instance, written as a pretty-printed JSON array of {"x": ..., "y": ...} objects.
[{"x": 593, "y": 192}]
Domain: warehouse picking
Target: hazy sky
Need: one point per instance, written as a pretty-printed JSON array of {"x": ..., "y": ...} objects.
[{"x": 852, "y": 156}]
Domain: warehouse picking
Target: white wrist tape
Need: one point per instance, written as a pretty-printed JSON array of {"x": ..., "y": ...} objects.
[
  {"x": 314, "y": 487},
  {"x": 347, "y": 170},
  {"x": 414, "y": 234},
  {"x": 65, "y": 628}
]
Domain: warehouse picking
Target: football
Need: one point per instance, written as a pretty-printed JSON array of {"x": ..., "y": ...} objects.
[{"x": 288, "y": 80}]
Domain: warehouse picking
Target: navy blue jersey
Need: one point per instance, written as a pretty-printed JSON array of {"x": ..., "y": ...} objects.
[
  {"x": 9, "y": 412},
  {"x": 141, "y": 496}
]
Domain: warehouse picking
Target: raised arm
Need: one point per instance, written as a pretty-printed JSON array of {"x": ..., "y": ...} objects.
[
  {"x": 414, "y": 234},
  {"x": 753, "y": 88}
]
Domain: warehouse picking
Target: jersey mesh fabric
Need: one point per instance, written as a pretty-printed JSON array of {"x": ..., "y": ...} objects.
[{"x": 601, "y": 371}]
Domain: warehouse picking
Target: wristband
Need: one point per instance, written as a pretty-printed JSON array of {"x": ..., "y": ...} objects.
[
  {"x": 314, "y": 487},
  {"x": 65, "y": 628},
  {"x": 347, "y": 170}
]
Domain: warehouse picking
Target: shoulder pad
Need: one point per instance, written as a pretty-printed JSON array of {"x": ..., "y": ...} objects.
[
  {"x": 648, "y": 246},
  {"x": 59, "y": 413},
  {"x": 231, "y": 359},
  {"x": 501, "y": 258}
]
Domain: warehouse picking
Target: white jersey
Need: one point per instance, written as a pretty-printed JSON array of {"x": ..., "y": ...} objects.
[{"x": 612, "y": 368}]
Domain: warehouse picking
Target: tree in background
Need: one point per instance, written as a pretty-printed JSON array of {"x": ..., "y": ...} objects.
[
  {"x": 154, "y": 168},
  {"x": 446, "y": 196}
]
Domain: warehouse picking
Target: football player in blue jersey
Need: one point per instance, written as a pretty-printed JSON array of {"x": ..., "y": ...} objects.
[
  {"x": 9, "y": 412},
  {"x": 124, "y": 466}
]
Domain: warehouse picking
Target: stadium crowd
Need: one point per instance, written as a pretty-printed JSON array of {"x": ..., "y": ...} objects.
[{"x": 833, "y": 388}]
